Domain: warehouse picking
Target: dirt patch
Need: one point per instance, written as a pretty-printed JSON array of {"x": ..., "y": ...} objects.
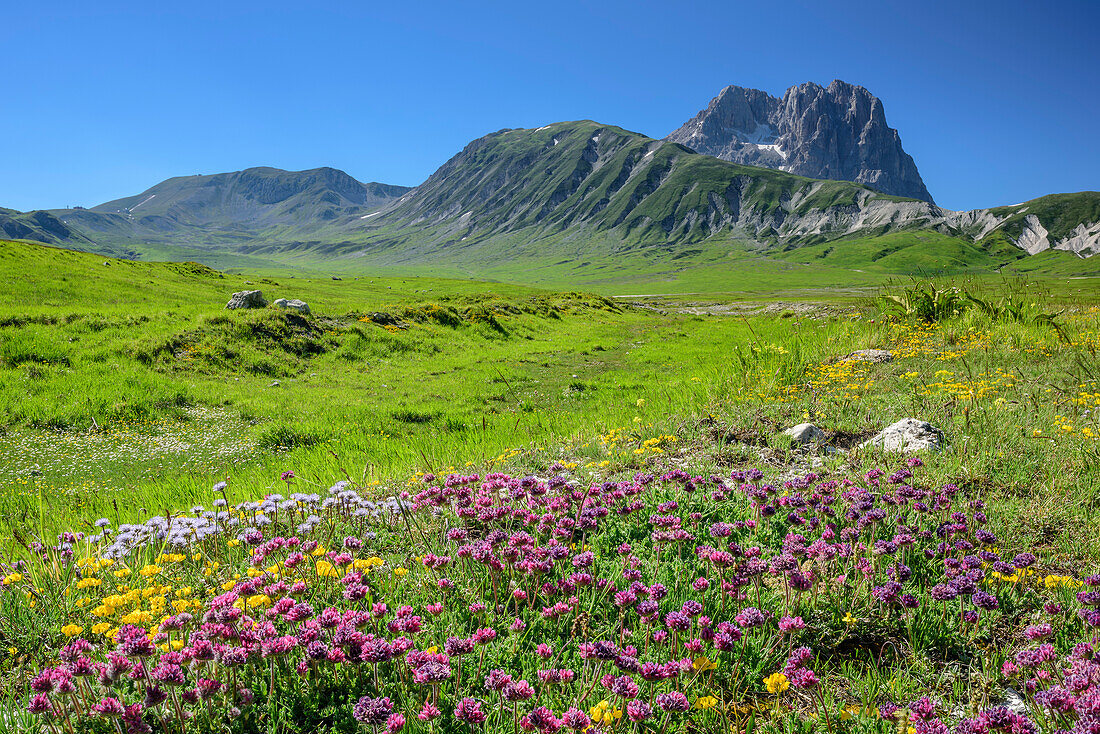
[
  {"x": 723, "y": 434},
  {"x": 782, "y": 309},
  {"x": 847, "y": 439}
]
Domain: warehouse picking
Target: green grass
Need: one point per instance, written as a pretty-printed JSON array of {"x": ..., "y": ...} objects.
[{"x": 127, "y": 389}]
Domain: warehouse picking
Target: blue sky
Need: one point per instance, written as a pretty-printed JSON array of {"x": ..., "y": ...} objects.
[{"x": 998, "y": 102}]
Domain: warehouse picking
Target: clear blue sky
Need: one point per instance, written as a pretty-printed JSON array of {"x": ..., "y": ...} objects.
[{"x": 998, "y": 102}]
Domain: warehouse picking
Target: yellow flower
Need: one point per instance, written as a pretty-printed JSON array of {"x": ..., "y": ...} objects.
[
  {"x": 849, "y": 711},
  {"x": 703, "y": 663},
  {"x": 259, "y": 600},
  {"x": 137, "y": 616},
  {"x": 399, "y": 572},
  {"x": 324, "y": 568},
  {"x": 85, "y": 583},
  {"x": 150, "y": 571},
  {"x": 603, "y": 713},
  {"x": 71, "y": 630},
  {"x": 849, "y": 619},
  {"x": 777, "y": 683},
  {"x": 12, "y": 578},
  {"x": 706, "y": 702},
  {"x": 100, "y": 628}
]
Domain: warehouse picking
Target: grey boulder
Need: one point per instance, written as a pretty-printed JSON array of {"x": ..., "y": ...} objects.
[
  {"x": 908, "y": 434},
  {"x": 247, "y": 299},
  {"x": 293, "y": 304},
  {"x": 805, "y": 434}
]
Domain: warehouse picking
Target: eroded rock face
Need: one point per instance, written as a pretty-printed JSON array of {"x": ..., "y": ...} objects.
[
  {"x": 1084, "y": 240},
  {"x": 293, "y": 304},
  {"x": 837, "y": 132},
  {"x": 247, "y": 299},
  {"x": 907, "y": 435}
]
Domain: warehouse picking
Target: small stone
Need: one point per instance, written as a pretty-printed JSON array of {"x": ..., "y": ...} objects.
[
  {"x": 877, "y": 356},
  {"x": 274, "y": 383},
  {"x": 247, "y": 299},
  {"x": 1014, "y": 702},
  {"x": 383, "y": 319},
  {"x": 806, "y": 433},
  {"x": 293, "y": 304},
  {"x": 337, "y": 277},
  {"x": 908, "y": 434}
]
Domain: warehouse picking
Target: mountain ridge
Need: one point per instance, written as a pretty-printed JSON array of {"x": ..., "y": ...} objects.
[
  {"x": 230, "y": 208},
  {"x": 661, "y": 192},
  {"x": 568, "y": 195}
]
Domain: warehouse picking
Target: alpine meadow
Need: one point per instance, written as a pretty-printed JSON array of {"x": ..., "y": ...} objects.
[{"x": 741, "y": 429}]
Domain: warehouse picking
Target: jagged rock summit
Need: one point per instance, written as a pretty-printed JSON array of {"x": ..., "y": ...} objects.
[{"x": 837, "y": 132}]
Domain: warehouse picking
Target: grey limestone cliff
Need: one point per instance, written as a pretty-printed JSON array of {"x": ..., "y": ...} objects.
[{"x": 837, "y": 132}]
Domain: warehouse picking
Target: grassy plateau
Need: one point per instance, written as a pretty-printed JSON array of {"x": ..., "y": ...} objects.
[{"x": 452, "y": 505}]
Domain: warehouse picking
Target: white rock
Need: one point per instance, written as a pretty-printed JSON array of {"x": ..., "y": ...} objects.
[
  {"x": 247, "y": 299},
  {"x": 908, "y": 434},
  {"x": 806, "y": 433},
  {"x": 869, "y": 355},
  {"x": 1033, "y": 237},
  {"x": 293, "y": 305}
]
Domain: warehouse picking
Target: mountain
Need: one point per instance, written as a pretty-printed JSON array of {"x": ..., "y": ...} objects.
[
  {"x": 585, "y": 177},
  {"x": 39, "y": 226},
  {"x": 230, "y": 208},
  {"x": 584, "y": 202},
  {"x": 837, "y": 132}
]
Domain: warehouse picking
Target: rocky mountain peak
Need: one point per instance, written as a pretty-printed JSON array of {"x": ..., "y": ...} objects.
[{"x": 836, "y": 132}]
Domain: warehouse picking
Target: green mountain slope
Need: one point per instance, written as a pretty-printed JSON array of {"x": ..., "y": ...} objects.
[
  {"x": 39, "y": 226},
  {"x": 590, "y": 201},
  {"x": 605, "y": 179},
  {"x": 224, "y": 210},
  {"x": 1060, "y": 214}
]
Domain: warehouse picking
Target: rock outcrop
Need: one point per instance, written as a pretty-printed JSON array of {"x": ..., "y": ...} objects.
[
  {"x": 247, "y": 299},
  {"x": 907, "y": 435},
  {"x": 837, "y": 132},
  {"x": 806, "y": 434},
  {"x": 293, "y": 304}
]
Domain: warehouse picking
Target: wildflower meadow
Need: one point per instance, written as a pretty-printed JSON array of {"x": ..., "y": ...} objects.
[
  {"x": 550, "y": 514},
  {"x": 507, "y": 603}
]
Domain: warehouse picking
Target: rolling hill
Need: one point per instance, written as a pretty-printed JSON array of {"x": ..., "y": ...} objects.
[
  {"x": 39, "y": 226},
  {"x": 224, "y": 210}
]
